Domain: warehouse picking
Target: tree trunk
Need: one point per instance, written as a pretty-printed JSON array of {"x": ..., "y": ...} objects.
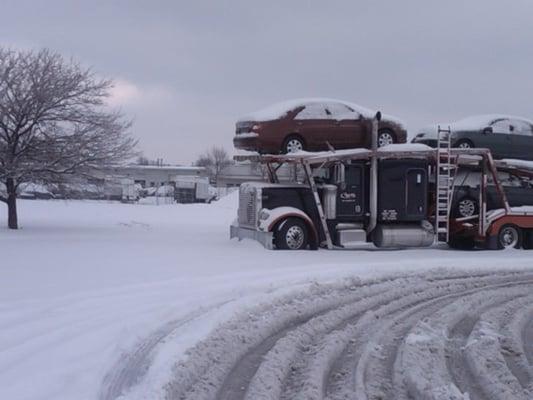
[{"x": 12, "y": 220}]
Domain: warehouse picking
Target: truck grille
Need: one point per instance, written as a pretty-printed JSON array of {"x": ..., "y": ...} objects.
[{"x": 248, "y": 207}]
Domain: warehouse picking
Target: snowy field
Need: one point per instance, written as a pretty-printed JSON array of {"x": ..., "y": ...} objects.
[{"x": 102, "y": 300}]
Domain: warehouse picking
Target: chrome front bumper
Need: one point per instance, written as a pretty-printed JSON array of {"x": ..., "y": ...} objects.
[{"x": 265, "y": 238}]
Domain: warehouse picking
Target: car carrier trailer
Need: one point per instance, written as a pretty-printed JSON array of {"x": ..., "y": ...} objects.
[{"x": 398, "y": 196}]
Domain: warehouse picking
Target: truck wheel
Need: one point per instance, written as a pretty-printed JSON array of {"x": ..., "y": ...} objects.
[
  {"x": 464, "y": 144},
  {"x": 291, "y": 234},
  {"x": 509, "y": 237}
]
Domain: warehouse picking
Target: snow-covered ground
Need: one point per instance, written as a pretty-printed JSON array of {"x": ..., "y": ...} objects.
[{"x": 99, "y": 300}]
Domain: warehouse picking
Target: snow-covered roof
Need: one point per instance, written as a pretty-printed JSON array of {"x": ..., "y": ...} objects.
[
  {"x": 278, "y": 110},
  {"x": 161, "y": 168},
  {"x": 407, "y": 147},
  {"x": 517, "y": 163},
  {"x": 390, "y": 151},
  {"x": 474, "y": 122}
]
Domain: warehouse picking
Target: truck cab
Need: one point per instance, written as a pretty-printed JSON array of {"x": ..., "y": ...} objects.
[{"x": 288, "y": 216}]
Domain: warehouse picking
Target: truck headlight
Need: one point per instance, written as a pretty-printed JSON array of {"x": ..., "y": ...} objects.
[{"x": 264, "y": 214}]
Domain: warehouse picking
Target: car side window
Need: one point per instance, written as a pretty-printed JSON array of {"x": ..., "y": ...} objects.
[
  {"x": 341, "y": 111},
  {"x": 509, "y": 180},
  {"x": 522, "y": 128},
  {"x": 502, "y": 126},
  {"x": 313, "y": 111}
]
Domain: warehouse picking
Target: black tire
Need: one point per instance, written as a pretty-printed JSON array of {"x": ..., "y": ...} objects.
[
  {"x": 291, "y": 234},
  {"x": 386, "y": 137},
  {"x": 509, "y": 236},
  {"x": 293, "y": 143},
  {"x": 461, "y": 243},
  {"x": 466, "y": 207},
  {"x": 464, "y": 144}
]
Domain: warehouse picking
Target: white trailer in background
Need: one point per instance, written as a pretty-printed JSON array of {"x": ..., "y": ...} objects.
[
  {"x": 193, "y": 189},
  {"x": 130, "y": 191}
]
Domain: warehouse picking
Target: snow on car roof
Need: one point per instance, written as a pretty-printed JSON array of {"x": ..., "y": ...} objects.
[
  {"x": 281, "y": 109},
  {"x": 473, "y": 122},
  {"x": 481, "y": 121}
]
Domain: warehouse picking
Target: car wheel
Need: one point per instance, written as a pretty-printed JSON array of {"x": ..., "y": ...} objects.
[
  {"x": 385, "y": 138},
  {"x": 291, "y": 234},
  {"x": 466, "y": 207},
  {"x": 509, "y": 237},
  {"x": 464, "y": 144},
  {"x": 293, "y": 144}
]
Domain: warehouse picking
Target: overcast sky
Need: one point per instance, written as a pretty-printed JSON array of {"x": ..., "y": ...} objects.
[{"x": 185, "y": 70}]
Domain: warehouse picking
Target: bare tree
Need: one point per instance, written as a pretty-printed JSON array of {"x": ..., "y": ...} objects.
[
  {"x": 54, "y": 123},
  {"x": 214, "y": 160},
  {"x": 143, "y": 160}
]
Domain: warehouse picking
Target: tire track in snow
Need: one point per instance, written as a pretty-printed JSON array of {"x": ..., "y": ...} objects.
[
  {"x": 396, "y": 338},
  {"x": 527, "y": 340},
  {"x": 130, "y": 368}
]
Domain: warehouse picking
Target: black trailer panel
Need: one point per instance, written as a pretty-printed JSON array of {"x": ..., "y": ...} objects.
[{"x": 402, "y": 188}]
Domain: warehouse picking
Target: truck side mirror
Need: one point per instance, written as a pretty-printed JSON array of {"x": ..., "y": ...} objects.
[{"x": 487, "y": 130}]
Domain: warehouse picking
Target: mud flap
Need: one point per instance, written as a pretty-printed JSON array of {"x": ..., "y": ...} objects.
[
  {"x": 491, "y": 243},
  {"x": 527, "y": 242}
]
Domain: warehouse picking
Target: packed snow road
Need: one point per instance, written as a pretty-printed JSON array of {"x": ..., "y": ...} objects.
[
  {"x": 442, "y": 336},
  {"x": 101, "y": 301}
]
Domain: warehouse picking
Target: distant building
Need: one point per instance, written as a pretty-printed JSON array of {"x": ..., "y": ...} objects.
[
  {"x": 247, "y": 171},
  {"x": 154, "y": 176}
]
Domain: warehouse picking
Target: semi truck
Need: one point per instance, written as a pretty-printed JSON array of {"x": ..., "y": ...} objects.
[{"x": 394, "y": 197}]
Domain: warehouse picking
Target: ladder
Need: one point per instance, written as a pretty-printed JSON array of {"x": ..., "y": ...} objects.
[
  {"x": 445, "y": 176},
  {"x": 320, "y": 209}
]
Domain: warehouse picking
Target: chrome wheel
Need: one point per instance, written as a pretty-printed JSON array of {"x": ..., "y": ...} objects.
[
  {"x": 467, "y": 208},
  {"x": 509, "y": 237},
  {"x": 294, "y": 145},
  {"x": 464, "y": 145},
  {"x": 295, "y": 237},
  {"x": 385, "y": 138}
]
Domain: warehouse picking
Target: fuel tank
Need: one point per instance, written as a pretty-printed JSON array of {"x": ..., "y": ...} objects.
[{"x": 404, "y": 235}]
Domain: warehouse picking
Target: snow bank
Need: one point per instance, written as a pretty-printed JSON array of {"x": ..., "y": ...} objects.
[{"x": 87, "y": 284}]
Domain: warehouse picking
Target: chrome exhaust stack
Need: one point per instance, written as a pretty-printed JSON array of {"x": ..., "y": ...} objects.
[{"x": 373, "y": 206}]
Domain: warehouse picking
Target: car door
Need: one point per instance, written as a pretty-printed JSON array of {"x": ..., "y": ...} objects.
[
  {"x": 349, "y": 128},
  {"x": 499, "y": 140},
  {"x": 350, "y": 195},
  {"x": 313, "y": 123},
  {"x": 521, "y": 139}
]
